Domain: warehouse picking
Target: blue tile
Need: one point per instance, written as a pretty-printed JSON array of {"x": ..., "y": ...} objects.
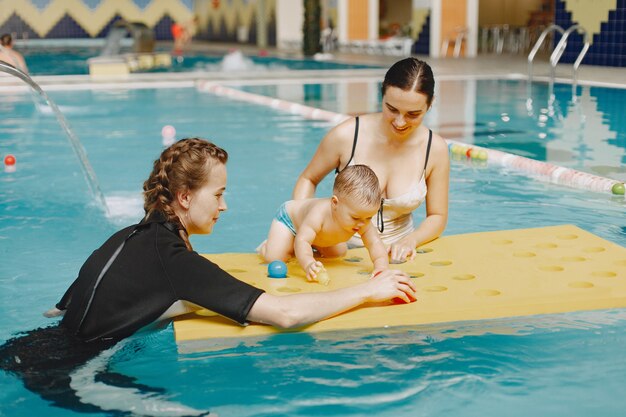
[
  {"x": 92, "y": 4},
  {"x": 40, "y": 4}
]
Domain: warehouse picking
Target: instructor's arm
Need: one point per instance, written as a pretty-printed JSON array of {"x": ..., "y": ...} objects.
[{"x": 301, "y": 309}]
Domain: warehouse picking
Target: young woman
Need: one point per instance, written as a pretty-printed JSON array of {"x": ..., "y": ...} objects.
[
  {"x": 140, "y": 274},
  {"x": 410, "y": 161},
  {"x": 143, "y": 273}
]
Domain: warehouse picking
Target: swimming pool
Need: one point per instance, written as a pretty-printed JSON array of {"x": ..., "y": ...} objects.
[
  {"x": 588, "y": 135},
  {"x": 563, "y": 364},
  {"x": 73, "y": 61}
]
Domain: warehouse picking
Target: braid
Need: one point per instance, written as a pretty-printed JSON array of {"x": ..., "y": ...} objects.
[{"x": 184, "y": 166}]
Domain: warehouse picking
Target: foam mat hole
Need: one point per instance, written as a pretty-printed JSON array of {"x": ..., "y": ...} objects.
[
  {"x": 487, "y": 293},
  {"x": 441, "y": 263},
  {"x": 604, "y": 274},
  {"x": 415, "y": 274},
  {"x": 353, "y": 259},
  {"x": 464, "y": 277},
  {"x": 235, "y": 270},
  {"x": 502, "y": 242},
  {"x": 551, "y": 268},
  {"x": 594, "y": 249},
  {"x": 423, "y": 250},
  {"x": 573, "y": 259}
]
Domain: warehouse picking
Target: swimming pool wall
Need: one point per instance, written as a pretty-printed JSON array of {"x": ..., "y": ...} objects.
[
  {"x": 537, "y": 169},
  {"x": 53, "y": 19}
]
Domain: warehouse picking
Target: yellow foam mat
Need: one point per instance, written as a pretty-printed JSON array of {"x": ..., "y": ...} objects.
[{"x": 464, "y": 277}]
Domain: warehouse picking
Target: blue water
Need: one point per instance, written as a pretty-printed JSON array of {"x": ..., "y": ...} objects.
[
  {"x": 569, "y": 364},
  {"x": 73, "y": 61}
]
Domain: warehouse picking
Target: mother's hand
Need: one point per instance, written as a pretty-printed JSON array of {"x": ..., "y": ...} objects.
[{"x": 402, "y": 250}]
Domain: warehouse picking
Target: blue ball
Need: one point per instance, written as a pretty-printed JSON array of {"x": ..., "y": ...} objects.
[{"x": 277, "y": 269}]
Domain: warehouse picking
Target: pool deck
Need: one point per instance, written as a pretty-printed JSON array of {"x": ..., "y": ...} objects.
[{"x": 483, "y": 66}]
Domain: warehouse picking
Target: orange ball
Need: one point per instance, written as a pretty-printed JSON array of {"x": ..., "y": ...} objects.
[{"x": 9, "y": 160}]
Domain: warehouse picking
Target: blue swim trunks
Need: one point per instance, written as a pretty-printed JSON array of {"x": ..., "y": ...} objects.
[{"x": 283, "y": 217}]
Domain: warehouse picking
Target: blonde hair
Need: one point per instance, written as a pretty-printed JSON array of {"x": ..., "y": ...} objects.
[
  {"x": 184, "y": 166},
  {"x": 360, "y": 183}
]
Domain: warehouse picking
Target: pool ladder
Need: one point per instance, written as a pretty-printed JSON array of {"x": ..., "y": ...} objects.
[{"x": 556, "y": 56}]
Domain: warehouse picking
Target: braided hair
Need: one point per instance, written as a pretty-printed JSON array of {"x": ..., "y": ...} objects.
[{"x": 184, "y": 166}]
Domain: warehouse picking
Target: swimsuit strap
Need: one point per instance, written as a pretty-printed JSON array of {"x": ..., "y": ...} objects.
[
  {"x": 356, "y": 137},
  {"x": 430, "y": 139}
]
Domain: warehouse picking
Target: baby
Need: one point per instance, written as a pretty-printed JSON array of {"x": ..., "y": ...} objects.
[{"x": 326, "y": 224}]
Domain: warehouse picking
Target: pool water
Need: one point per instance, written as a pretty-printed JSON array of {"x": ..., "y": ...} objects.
[
  {"x": 571, "y": 364},
  {"x": 588, "y": 134},
  {"x": 73, "y": 61}
]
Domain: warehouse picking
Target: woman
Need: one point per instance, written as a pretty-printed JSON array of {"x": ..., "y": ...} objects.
[
  {"x": 143, "y": 273},
  {"x": 410, "y": 161}
]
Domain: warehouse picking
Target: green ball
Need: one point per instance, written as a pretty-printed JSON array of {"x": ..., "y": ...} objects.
[{"x": 618, "y": 189}]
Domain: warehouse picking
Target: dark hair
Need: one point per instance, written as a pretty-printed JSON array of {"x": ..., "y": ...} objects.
[
  {"x": 6, "y": 40},
  {"x": 358, "y": 182},
  {"x": 184, "y": 166},
  {"x": 411, "y": 74}
]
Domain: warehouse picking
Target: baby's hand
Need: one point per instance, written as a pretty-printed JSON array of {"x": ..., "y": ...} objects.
[{"x": 312, "y": 269}]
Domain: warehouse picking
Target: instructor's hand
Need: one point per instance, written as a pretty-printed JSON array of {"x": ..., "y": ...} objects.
[{"x": 389, "y": 284}]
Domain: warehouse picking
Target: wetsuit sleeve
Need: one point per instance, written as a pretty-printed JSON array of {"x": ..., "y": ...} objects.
[
  {"x": 67, "y": 297},
  {"x": 200, "y": 281}
]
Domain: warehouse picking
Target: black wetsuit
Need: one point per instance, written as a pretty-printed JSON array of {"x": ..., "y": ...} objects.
[{"x": 152, "y": 270}]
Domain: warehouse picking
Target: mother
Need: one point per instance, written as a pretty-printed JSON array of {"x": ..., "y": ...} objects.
[{"x": 410, "y": 161}]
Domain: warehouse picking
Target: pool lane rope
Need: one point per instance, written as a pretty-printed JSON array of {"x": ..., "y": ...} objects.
[{"x": 543, "y": 171}]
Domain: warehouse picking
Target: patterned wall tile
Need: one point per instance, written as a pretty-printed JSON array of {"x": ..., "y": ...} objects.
[
  {"x": 15, "y": 24},
  {"x": 93, "y": 18},
  {"x": 607, "y": 45}
]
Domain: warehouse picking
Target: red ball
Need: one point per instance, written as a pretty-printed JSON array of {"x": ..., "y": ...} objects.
[
  {"x": 469, "y": 153},
  {"x": 9, "y": 160}
]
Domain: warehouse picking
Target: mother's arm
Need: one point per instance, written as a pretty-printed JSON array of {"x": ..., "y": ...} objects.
[
  {"x": 438, "y": 183},
  {"x": 301, "y": 309},
  {"x": 326, "y": 158}
]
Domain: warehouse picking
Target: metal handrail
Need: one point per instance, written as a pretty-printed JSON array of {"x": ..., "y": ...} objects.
[
  {"x": 560, "y": 48},
  {"x": 533, "y": 52}
]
